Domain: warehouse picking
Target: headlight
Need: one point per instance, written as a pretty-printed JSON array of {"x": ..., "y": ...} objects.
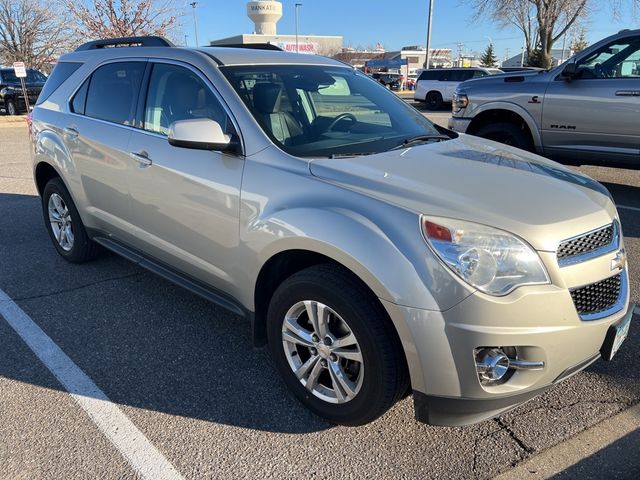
[
  {"x": 491, "y": 260},
  {"x": 460, "y": 101}
]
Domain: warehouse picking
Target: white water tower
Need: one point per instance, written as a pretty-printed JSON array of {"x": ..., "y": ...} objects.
[{"x": 265, "y": 14}]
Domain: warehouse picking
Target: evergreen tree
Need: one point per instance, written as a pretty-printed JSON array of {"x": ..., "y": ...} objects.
[
  {"x": 580, "y": 43},
  {"x": 488, "y": 58}
]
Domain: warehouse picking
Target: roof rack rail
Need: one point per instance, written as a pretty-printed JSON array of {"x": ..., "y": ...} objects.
[
  {"x": 251, "y": 46},
  {"x": 149, "y": 41}
]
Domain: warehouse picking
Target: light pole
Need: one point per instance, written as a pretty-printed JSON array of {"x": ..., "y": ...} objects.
[
  {"x": 428, "y": 56},
  {"x": 185, "y": 40},
  {"x": 297, "y": 5},
  {"x": 195, "y": 21}
]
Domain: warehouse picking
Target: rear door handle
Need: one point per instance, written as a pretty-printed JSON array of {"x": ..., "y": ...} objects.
[
  {"x": 628, "y": 93},
  {"x": 70, "y": 132},
  {"x": 142, "y": 158}
]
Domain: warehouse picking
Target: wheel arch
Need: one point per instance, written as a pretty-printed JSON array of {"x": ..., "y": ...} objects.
[
  {"x": 43, "y": 173},
  {"x": 286, "y": 263},
  {"x": 506, "y": 112}
]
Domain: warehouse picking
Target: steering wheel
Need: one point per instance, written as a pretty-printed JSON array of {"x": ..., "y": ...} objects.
[
  {"x": 339, "y": 118},
  {"x": 600, "y": 71}
]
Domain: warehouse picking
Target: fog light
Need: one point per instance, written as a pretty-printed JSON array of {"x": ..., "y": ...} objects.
[{"x": 492, "y": 364}]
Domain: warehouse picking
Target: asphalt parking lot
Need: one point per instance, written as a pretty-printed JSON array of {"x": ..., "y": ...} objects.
[{"x": 184, "y": 373}]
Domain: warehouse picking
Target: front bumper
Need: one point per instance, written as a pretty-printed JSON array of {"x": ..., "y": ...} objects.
[
  {"x": 459, "y": 125},
  {"x": 541, "y": 322}
]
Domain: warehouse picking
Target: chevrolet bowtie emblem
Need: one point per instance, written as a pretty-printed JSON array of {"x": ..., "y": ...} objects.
[{"x": 618, "y": 262}]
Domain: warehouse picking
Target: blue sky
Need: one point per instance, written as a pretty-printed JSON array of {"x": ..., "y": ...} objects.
[{"x": 392, "y": 23}]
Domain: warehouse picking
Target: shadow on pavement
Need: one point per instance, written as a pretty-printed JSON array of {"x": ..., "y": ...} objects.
[
  {"x": 145, "y": 342},
  {"x": 620, "y": 460}
]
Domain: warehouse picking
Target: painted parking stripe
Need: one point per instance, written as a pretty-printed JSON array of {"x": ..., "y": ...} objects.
[
  {"x": 115, "y": 425},
  {"x": 628, "y": 207}
]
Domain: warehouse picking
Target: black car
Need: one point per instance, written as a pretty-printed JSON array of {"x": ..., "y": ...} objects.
[
  {"x": 11, "y": 96},
  {"x": 389, "y": 80}
]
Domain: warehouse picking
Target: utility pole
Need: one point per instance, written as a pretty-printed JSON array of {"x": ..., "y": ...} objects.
[
  {"x": 564, "y": 45},
  {"x": 185, "y": 40},
  {"x": 524, "y": 47},
  {"x": 460, "y": 48},
  {"x": 428, "y": 56},
  {"x": 297, "y": 5},
  {"x": 195, "y": 21}
]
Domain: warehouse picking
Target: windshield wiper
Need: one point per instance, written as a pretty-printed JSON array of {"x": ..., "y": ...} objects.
[
  {"x": 350, "y": 155},
  {"x": 420, "y": 139}
]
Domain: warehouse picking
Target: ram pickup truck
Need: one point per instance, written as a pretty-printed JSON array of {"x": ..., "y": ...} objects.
[{"x": 587, "y": 109}]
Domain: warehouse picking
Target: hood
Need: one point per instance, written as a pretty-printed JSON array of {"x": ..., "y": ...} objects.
[{"x": 480, "y": 181}]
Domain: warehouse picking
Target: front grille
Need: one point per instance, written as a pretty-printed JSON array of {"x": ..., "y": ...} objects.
[
  {"x": 586, "y": 243},
  {"x": 598, "y": 296}
]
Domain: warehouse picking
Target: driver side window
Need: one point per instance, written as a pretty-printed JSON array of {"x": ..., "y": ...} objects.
[
  {"x": 176, "y": 93},
  {"x": 620, "y": 59}
]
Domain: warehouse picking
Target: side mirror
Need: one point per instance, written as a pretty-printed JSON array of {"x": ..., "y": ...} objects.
[
  {"x": 201, "y": 134},
  {"x": 569, "y": 71}
]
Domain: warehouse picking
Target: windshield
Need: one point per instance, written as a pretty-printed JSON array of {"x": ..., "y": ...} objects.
[
  {"x": 314, "y": 111},
  {"x": 33, "y": 76}
]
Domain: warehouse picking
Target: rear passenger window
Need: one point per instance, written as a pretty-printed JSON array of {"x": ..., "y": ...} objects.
[
  {"x": 113, "y": 92},
  {"x": 177, "y": 93},
  {"x": 466, "y": 74},
  {"x": 430, "y": 75},
  {"x": 479, "y": 74}
]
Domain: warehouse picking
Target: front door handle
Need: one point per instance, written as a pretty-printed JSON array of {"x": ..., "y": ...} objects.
[
  {"x": 628, "y": 93},
  {"x": 142, "y": 158}
]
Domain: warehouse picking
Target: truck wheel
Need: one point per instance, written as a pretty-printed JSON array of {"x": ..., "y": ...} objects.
[
  {"x": 335, "y": 346},
  {"x": 64, "y": 225},
  {"x": 507, "y": 133},
  {"x": 10, "y": 107},
  {"x": 434, "y": 100}
]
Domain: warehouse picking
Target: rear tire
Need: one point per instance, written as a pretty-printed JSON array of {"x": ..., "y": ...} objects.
[
  {"x": 66, "y": 230},
  {"x": 374, "y": 384},
  {"x": 434, "y": 100},
  {"x": 507, "y": 133}
]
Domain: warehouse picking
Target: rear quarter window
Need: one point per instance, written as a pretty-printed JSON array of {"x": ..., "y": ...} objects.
[{"x": 61, "y": 72}]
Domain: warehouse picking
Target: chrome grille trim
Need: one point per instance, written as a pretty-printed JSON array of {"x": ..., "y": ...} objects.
[
  {"x": 597, "y": 290},
  {"x": 586, "y": 246}
]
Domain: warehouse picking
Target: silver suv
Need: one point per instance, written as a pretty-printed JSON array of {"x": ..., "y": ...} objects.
[
  {"x": 586, "y": 110},
  {"x": 374, "y": 252}
]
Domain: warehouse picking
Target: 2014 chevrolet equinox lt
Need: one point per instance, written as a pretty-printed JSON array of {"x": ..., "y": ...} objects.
[{"x": 374, "y": 252}]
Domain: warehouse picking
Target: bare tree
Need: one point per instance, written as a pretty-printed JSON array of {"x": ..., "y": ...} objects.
[
  {"x": 542, "y": 22},
  {"x": 32, "y": 31},
  {"x": 123, "y": 18}
]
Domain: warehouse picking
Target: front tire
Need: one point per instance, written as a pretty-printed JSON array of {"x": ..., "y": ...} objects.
[
  {"x": 507, "y": 133},
  {"x": 64, "y": 225},
  {"x": 335, "y": 346}
]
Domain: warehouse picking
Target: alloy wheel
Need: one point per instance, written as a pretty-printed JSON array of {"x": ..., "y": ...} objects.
[
  {"x": 60, "y": 220},
  {"x": 322, "y": 351}
]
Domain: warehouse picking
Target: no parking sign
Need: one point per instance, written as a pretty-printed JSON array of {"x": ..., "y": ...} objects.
[{"x": 21, "y": 73}]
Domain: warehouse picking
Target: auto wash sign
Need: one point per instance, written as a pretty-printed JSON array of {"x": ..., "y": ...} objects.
[{"x": 302, "y": 47}]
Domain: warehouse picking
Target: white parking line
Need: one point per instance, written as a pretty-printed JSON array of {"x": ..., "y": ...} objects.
[
  {"x": 627, "y": 207},
  {"x": 115, "y": 425}
]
